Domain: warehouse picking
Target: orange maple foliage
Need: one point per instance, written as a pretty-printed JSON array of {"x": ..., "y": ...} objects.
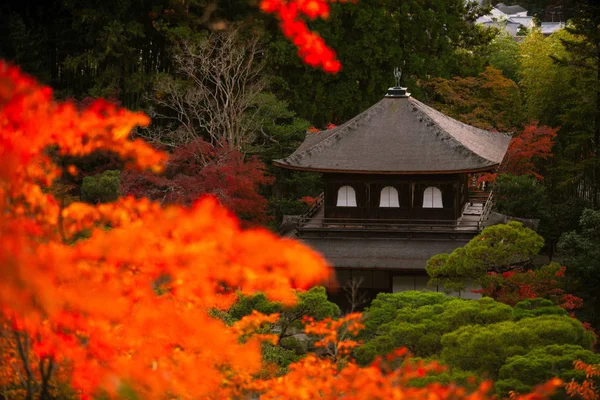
[
  {"x": 392, "y": 377},
  {"x": 386, "y": 378},
  {"x": 314, "y": 378},
  {"x": 534, "y": 143},
  {"x": 314, "y": 129},
  {"x": 335, "y": 334},
  {"x": 587, "y": 390},
  {"x": 311, "y": 47},
  {"x": 130, "y": 305},
  {"x": 308, "y": 200},
  {"x": 9, "y": 363}
]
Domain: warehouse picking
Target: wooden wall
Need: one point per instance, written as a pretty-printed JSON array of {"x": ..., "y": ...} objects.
[
  {"x": 410, "y": 190},
  {"x": 463, "y": 193}
]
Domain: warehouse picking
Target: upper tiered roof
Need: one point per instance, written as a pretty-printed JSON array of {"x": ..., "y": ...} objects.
[{"x": 400, "y": 135}]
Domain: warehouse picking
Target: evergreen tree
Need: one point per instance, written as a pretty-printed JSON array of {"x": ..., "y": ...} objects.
[
  {"x": 87, "y": 48},
  {"x": 583, "y": 55},
  {"x": 425, "y": 38},
  {"x": 580, "y": 251},
  {"x": 560, "y": 90}
]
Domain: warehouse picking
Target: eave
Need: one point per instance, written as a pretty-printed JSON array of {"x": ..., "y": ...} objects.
[{"x": 346, "y": 171}]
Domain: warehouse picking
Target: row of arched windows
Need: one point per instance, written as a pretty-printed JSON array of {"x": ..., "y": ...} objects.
[{"x": 432, "y": 197}]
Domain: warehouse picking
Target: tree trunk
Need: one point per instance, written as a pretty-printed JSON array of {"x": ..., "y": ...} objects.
[
  {"x": 23, "y": 349},
  {"x": 46, "y": 374}
]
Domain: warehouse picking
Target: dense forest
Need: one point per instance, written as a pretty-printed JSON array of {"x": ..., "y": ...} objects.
[
  {"x": 165, "y": 57},
  {"x": 228, "y": 88}
]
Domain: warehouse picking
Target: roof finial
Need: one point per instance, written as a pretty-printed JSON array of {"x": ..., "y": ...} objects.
[
  {"x": 398, "y": 76},
  {"x": 398, "y": 90}
]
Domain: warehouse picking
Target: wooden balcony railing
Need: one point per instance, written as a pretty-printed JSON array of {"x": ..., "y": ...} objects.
[
  {"x": 474, "y": 223},
  {"x": 312, "y": 209},
  {"x": 487, "y": 208},
  {"x": 389, "y": 224}
]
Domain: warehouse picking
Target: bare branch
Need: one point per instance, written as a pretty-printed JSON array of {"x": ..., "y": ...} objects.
[
  {"x": 354, "y": 295},
  {"x": 215, "y": 95}
]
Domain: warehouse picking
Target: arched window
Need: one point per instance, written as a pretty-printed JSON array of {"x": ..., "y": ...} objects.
[
  {"x": 389, "y": 197},
  {"x": 346, "y": 197},
  {"x": 432, "y": 198}
]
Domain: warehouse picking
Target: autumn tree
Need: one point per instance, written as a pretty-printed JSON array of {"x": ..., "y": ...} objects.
[
  {"x": 312, "y": 303},
  {"x": 289, "y": 328},
  {"x": 588, "y": 389},
  {"x": 22, "y": 372},
  {"x": 526, "y": 155},
  {"x": 73, "y": 300},
  {"x": 336, "y": 336},
  {"x": 488, "y": 101},
  {"x": 397, "y": 375},
  {"x": 547, "y": 282},
  {"x": 98, "y": 305},
  {"x": 214, "y": 94},
  {"x": 199, "y": 168},
  {"x": 311, "y": 47},
  {"x": 528, "y": 147}
]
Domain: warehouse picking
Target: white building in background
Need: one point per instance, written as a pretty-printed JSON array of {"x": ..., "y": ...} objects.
[
  {"x": 511, "y": 18},
  {"x": 548, "y": 28},
  {"x": 514, "y": 19},
  {"x": 503, "y": 11}
]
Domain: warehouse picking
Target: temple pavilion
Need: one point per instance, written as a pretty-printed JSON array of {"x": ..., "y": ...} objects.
[{"x": 396, "y": 192}]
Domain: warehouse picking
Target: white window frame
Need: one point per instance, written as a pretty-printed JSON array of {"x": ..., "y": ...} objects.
[
  {"x": 389, "y": 197},
  {"x": 432, "y": 198},
  {"x": 346, "y": 197}
]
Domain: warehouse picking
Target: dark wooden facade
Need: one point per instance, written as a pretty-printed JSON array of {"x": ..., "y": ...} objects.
[
  {"x": 410, "y": 192},
  {"x": 406, "y": 145}
]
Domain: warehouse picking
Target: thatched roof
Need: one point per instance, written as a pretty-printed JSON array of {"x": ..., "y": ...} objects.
[{"x": 400, "y": 135}]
